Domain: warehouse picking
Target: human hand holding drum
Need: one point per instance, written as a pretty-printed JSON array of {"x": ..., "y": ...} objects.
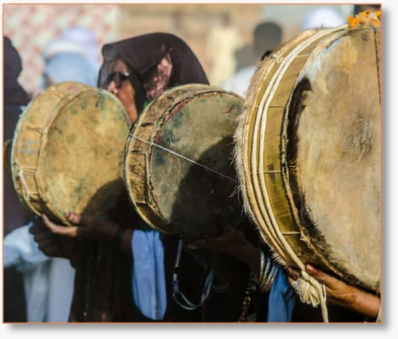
[
  {"x": 53, "y": 245},
  {"x": 86, "y": 227},
  {"x": 58, "y": 168},
  {"x": 90, "y": 227},
  {"x": 234, "y": 243},
  {"x": 341, "y": 294}
]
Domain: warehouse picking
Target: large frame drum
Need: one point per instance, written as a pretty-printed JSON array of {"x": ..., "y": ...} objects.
[
  {"x": 308, "y": 153},
  {"x": 67, "y": 151},
  {"x": 178, "y": 167}
]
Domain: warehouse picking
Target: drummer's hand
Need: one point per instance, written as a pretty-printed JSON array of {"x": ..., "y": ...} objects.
[
  {"x": 232, "y": 242},
  {"x": 292, "y": 274},
  {"x": 51, "y": 244},
  {"x": 86, "y": 227},
  {"x": 341, "y": 294}
]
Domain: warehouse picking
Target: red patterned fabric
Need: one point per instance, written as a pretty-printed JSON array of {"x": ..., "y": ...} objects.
[{"x": 31, "y": 27}]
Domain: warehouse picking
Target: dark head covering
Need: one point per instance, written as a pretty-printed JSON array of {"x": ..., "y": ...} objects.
[
  {"x": 14, "y": 97},
  {"x": 14, "y": 94},
  {"x": 14, "y": 216},
  {"x": 156, "y": 61}
]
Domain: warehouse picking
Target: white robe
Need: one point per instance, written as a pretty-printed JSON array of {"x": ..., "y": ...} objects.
[{"x": 48, "y": 282}]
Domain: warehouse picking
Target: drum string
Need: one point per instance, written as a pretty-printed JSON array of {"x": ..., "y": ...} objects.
[
  {"x": 259, "y": 122},
  {"x": 258, "y": 146},
  {"x": 312, "y": 292},
  {"x": 276, "y": 57},
  {"x": 185, "y": 158},
  {"x": 377, "y": 61},
  {"x": 279, "y": 59},
  {"x": 309, "y": 289}
]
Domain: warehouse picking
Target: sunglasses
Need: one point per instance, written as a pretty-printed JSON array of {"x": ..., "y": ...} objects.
[{"x": 118, "y": 78}]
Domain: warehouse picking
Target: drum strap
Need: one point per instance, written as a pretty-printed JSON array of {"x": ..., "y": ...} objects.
[
  {"x": 185, "y": 158},
  {"x": 185, "y": 303}
]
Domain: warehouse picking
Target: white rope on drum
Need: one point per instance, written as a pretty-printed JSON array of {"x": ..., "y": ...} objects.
[
  {"x": 309, "y": 289},
  {"x": 265, "y": 213}
]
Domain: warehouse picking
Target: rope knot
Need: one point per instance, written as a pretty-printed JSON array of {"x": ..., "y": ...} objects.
[{"x": 311, "y": 292}]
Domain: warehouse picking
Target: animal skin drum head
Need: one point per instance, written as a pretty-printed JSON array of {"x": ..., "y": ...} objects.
[
  {"x": 179, "y": 168},
  {"x": 67, "y": 151},
  {"x": 309, "y": 152}
]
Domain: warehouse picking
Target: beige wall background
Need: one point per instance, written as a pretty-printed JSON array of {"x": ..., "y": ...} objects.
[{"x": 31, "y": 27}]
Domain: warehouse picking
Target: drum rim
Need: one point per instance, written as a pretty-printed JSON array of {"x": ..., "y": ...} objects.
[
  {"x": 163, "y": 225},
  {"x": 243, "y": 159},
  {"x": 62, "y": 104},
  {"x": 46, "y": 197},
  {"x": 21, "y": 124}
]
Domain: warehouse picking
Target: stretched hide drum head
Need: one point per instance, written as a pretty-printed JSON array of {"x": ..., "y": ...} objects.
[
  {"x": 67, "y": 151},
  {"x": 178, "y": 167},
  {"x": 309, "y": 152}
]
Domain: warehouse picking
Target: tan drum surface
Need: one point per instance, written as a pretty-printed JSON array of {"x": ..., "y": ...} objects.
[
  {"x": 67, "y": 151},
  {"x": 309, "y": 152},
  {"x": 178, "y": 167}
]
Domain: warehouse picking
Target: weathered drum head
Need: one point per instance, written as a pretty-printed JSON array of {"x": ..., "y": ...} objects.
[
  {"x": 309, "y": 152},
  {"x": 181, "y": 133},
  {"x": 68, "y": 151}
]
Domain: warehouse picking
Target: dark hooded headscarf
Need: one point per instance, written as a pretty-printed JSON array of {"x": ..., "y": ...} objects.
[
  {"x": 155, "y": 61},
  {"x": 14, "y": 216},
  {"x": 14, "y": 98},
  {"x": 14, "y": 94}
]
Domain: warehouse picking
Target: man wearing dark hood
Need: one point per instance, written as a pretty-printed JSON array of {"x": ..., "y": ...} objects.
[{"x": 15, "y": 98}]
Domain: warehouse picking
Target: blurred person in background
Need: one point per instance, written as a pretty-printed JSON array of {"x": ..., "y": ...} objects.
[
  {"x": 179, "y": 25},
  {"x": 266, "y": 37},
  {"x": 48, "y": 281},
  {"x": 366, "y": 7},
  {"x": 323, "y": 17},
  {"x": 221, "y": 44},
  {"x": 85, "y": 38},
  {"x": 15, "y": 99},
  {"x": 74, "y": 40},
  {"x": 244, "y": 57},
  {"x": 69, "y": 67}
]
